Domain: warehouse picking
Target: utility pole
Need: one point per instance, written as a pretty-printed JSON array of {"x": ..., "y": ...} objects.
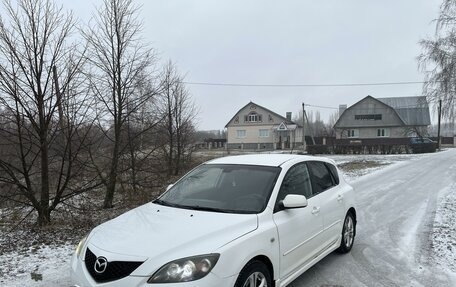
[
  {"x": 303, "y": 129},
  {"x": 310, "y": 129},
  {"x": 438, "y": 130}
]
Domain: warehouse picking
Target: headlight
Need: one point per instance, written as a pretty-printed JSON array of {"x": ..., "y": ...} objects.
[
  {"x": 185, "y": 269},
  {"x": 80, "y": 246}
]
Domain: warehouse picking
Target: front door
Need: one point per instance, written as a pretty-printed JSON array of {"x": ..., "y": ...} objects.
[{"x": 299, "y": 229}]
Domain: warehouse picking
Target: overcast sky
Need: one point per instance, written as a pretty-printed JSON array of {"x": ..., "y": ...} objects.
[{"x": 285, "y": 42}]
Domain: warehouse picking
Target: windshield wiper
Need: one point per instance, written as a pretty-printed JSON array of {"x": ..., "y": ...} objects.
[
  {"x": 200, "y": 208},
  {"x": 165, "y": 203},
  {"x": 214, "y": 209}
]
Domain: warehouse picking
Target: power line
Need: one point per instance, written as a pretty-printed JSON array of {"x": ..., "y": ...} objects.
[
  {"x": 305, "y": 85},
  {"x": 322, "y": 107}
]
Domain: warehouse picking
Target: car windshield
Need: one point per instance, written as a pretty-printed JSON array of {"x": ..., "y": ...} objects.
[{"x": 223, "y": 188}]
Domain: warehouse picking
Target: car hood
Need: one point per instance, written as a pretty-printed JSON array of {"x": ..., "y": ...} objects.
[{"x": 159, "y": 234}]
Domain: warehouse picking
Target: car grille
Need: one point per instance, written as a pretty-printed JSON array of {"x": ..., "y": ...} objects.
[{"x": 115, "y": 270}]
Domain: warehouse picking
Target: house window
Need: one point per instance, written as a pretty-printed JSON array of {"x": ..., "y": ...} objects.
[
  {"x": 240, "y": 134},
  {"x": 264, "y": 133},
  {"x": 354, "y": 133},
  {"x": 253, "y": 118},
  {"x": 383, "y": 133},
  {"x": 371, "y": 117}
]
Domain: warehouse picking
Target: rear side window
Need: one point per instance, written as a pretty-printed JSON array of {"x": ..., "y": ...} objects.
[
  {"x": 333, "y": 171},
  {"x": 321, "y": 177}
]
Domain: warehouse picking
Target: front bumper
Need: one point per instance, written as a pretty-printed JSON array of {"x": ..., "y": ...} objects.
[{"x": 81, "y": 278}]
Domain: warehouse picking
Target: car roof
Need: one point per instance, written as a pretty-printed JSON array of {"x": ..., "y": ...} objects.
[{"x": 265, "y": 159}]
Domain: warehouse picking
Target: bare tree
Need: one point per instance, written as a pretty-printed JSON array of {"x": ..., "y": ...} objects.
[
  {"x": 179, "y": 113},
  {"x": 314, "y": 124},
  {"x": 118, "y": 58},
  {"x": 415, "y": 131},
  {"x": 140, "y": 131},
  {"x": 41, "y": 147},
  {"x": 330, "y": 131},
  {"x": 438, "y": 60}
]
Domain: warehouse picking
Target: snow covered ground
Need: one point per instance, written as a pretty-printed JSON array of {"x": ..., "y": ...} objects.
[
  {"x": 444, "y": 227},
  {"x": 48, "y": 265},
  {"x": 355, "y": 166},
  {"x": 444, "y": 230},
  {"x": 41, "y": 266}
]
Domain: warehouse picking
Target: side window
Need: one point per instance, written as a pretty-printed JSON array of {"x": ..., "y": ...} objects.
[
  {"x": 296, "y": 181},
  {"x": 321, "y": 178},
  {"x": 334, "y": 174}
]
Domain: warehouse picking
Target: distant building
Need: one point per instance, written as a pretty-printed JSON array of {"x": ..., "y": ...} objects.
[
  {"x": 256, "y": 127},
  {"x": 383, "y": 118},
  {"x": 211, "y": 143}
]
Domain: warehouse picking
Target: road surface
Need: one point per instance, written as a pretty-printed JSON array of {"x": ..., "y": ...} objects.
[{"x": 396, "y": 209}]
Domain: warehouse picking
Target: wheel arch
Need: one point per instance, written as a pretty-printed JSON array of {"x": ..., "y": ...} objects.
[
  {"x": 352, "y": 211},
  {"x": 264, "y": 259}
]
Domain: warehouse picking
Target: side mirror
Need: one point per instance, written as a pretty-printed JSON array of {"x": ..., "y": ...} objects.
[
  {"x": 169, "y": 186},
  {"x": 294, "y": 201}
]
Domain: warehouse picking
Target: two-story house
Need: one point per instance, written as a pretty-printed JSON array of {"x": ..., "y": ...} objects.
[{"x": 256, "y": 127}]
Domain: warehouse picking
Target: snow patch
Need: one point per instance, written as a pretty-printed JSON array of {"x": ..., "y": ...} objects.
[
  {"x": 37, "y": 266},
  {"x": 384, "y": 162},
  {"x": 409, "y": 236},
  {"x": 444, "y": 230}
]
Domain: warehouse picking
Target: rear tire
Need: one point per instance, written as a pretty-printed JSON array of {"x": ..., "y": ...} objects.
[
  {"x": 254, "y": 274},
  {"x": 348, "y": 234}
]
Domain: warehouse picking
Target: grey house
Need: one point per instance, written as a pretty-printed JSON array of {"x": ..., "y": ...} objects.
[{"x": 377, "y": 118}]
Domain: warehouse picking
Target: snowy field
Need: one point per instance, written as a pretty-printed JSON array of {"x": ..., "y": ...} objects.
[
  {"x": 444, "y": 230},
  {"x": 48, "y": 265}
]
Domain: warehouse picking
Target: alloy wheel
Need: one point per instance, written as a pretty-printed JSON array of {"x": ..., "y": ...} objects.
[
  {"x": 256, "y": 279},
  {"x": 349, "y": 231}
]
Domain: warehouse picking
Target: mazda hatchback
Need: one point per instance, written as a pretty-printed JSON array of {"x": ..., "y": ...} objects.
[{"x": 243, "y": 221}]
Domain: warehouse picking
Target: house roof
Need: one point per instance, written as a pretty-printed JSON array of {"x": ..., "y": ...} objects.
[
  {"x": 287, "y": 122},
  {"x": 413, "y": 111}
]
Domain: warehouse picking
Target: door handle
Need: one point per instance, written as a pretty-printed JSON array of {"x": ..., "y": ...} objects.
[
  {"x": 340, "y": 198},
  {"x": 315, "y": 210}
]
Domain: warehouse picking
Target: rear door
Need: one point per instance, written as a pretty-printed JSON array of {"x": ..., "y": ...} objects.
[
  {"x": 299, "y": 229},
  {"x": 325, "y": 183}
]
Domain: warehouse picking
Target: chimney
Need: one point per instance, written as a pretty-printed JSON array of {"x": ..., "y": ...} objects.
[
  {"x": 342, "y": 108},
  {"x": 289, "y": 116}
]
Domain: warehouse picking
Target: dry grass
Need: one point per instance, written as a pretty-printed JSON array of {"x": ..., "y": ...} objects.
[{"x": 354, "y": 166}]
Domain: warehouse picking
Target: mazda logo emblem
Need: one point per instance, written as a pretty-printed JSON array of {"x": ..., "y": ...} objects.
[{"x": 100, "y": 265}]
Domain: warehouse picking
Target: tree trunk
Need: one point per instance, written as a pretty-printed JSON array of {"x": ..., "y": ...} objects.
[
  {"x": 44, "y": 195},
  {"x": 178, "y": 153},
  {"x": 109, "y": 196},
  {"x": 44, "y": 216},
  {"x": 133, "y": 170},
  {"x": 43, "y": 212},
  {"x": 171, "y": 137},
  {"x": 112, "y": 178}
]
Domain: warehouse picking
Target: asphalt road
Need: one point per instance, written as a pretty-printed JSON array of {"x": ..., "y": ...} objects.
[{"x": 396, "y": 209}]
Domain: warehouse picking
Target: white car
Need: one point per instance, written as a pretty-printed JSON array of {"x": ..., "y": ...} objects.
[{"x": 243, "y": 221}]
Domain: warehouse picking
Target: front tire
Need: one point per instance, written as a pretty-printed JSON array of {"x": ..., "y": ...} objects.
[
  {"x": 348, "y": 234},
  {"x": 254, "y": 274}
]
